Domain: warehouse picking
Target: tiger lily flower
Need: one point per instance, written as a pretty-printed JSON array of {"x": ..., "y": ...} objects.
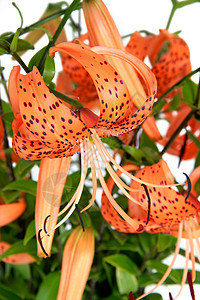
[
  {"x": 11, "y": 211},
  {"x": 169, "y": 56},
  {"x": 76, "y": 264},
  {"x": 102, "y": 31},
  {"x": 169, "y": 212},
  {"x": 59, "y": 132},
  {"x": 16, "y": 259}
]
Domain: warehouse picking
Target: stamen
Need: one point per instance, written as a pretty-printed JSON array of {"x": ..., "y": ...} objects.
[
  {"x": 45, "y": 222},
  {"x": 121, "y": 212},
  {"x": 189, "y": 278},
  {"x": 109, "y": 156},
  {"x": 170, "y": 296},
  {"x": 131, "y": 297},
  {"x": 40, "y": 242},
  {"x": 79, "y": 214},
  {"x": 149, "y": 202},
  {"x": 170, "y": 266},
  {"x": 189, "y": 186}
]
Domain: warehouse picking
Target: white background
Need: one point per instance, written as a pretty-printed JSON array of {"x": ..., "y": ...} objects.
[{"x": 129, "y": 15}]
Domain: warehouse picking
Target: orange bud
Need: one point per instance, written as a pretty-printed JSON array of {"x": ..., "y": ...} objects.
[
  {"x": 52, "y": 176},
  {"x": 76, "y": 265},
  {"x": 10, "y": 212},
  {"x": 16, "y": 259}
]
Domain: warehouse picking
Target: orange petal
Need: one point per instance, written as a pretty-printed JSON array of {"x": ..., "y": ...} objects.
[
  {"x": 111, "y": 90},
  {"x": 173, "y": 64},
  {"x": 10, "y": 212},
  {"x": 168, "y": 207},
  {"x": 77, "y": 260},
  {"x": 110, "y": 214},
  {"x": 194, "y": 176},
  {"x": 52, "y": 177},
  {"x": 138, "y": 45},
  {"x": 17, "y": 259},
  {"x": 102, "y": 31}
]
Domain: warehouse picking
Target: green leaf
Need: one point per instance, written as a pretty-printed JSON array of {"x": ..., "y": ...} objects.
[
  {"x": 30, "y": 232},
  {"x": 19, "y": 247},
  {"x": 126, "y": 282},
  {"x": 35, "y": 60},
  {"x": 154, "y": 296},
  {"x": 193, "y": 138},
  {"x": 161, "y": 268},
  {"x": 165, "y": 241},
  {"x": 145, "y": 141},
  {"x": 13, "y": 45},
  {"x": 22, "y": 185},
  {"x": 23, "y": 167},
  {"x": 197, "y": 186},
  {"x": 141, "y": 156},
  {"x": 189, "y": 91},
  {"x": 197, "y": 161},
  {"x": 7, "y": 293},
  {"x": 123, "y": 262},
  {"x": 49, "y": 69},
  {"x": 24, "y": 45},
  {"x": 24, "y": 271},
  {"x": 147, "y": 241},
  {"x": 49, "y": 287},
  {"x": 175, "y": 102},
  {"x": 112, "y": 142}
]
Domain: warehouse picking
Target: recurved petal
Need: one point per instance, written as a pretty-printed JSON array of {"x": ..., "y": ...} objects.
[
  {"x": 171, "y": 65},
  {"x": 11, "y": 211},
  {"x": 35, "y": 149},
  {"x": 52, "y": 177},
  {"x": 46, "y": 116},
  {"x": 138, "y": 45},
  {"x": 194, "y": 176},
  {"x": 110, "y": 214},
  {"x": 17, "y": 259},
  {"x": 113, "y": 95},
  {"x": 76, "y": 264},
  {"x": 168, "y": 207}
]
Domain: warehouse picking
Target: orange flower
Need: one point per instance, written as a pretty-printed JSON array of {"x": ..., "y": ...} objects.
[
  {"x": 11, "y": 211},
  {"x": 59, "y": 132},
  {"x": 77, "y": 261},
  {"x": 17, "y": 259},
  {"x": 102, "y": 31},
  {"x": 169, "y": 212},
  {"x": 169, "y": 56}
]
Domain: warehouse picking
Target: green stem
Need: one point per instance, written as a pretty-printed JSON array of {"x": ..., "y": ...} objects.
[
  {"x": 67, "y": 15},
  {"x": 176, "y": 5},
  {"x": 170, "y": 17},
  {"x": 175, "y": 134}
]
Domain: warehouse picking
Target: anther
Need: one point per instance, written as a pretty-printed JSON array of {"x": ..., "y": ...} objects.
[
  {"x": 170, "y": 296},
  {"x": 79, "y": 214},
  {"x": 149, "y": 202},
  {"x": 189, "y": 187},
  {"x": 189, "y": 278},
  {"x": 40, "y": 242},
  {"x": 130, "y": 295},
  {"x": 45, "y": 222}
]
